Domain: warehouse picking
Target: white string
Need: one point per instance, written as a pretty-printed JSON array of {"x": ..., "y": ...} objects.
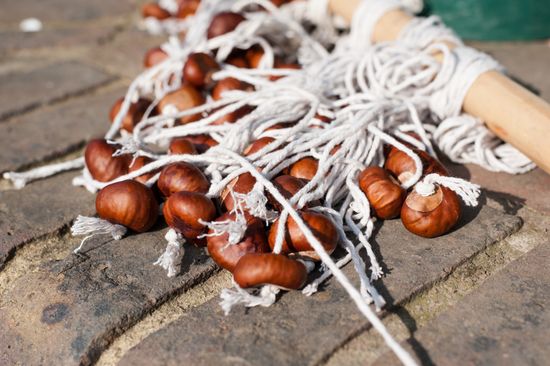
[
  {"x": 173, "y": 253},
  {"x": 92, "y": 226}
]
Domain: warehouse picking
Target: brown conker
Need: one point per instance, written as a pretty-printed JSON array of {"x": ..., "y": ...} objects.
[
  {"x": 288, "y": 186},
  {"x": 431, "y": 216},
  {"x": 155, "y": 11},
  {"x": 154, "y": 56},
  {"x": 202, "y": 142},
  {"x": 182, "y": 176},
  {"x": 187, "y": 8},
  {"x": 305, "y": 168},
  {"x": 258, "y": 145},
  {"x": 101, "y": 163},
  {"x": 128, "y": 203},
  {"x": 186, "y": 97},
  {"x": 227, "y": 255},
  {"x": 385, "y": 195},
  {"x": 180, "y": 146},
  {"x": 403, "y": 167},
  {"x": 244, "y": 183},
  {"x": 184, "y": 211},
  {"x": 228, "y": 84},
  {"x": 223, "y": 23},
  {"x": 256, "y": 269},
  {"x": 133, "y": 116},
  {"x": 139, "y": 163},
  {"x": 198, "y": 69},
  {"x": 294, "y": 241}
]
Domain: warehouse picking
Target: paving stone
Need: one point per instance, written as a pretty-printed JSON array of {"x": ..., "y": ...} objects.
[
  {"x": 61, "y": 38},
  {"x": 121, "y": 56},
  {"x": 67, "y": 312},
  {"x": 27, "y": 90},
  {"x": 64, "y": 10},
  {"x": 54, "y": 130},
  {"x": 299, "y": 330},
  {"x": 40, "y": 208},
  {"x": 506, "y": 321}
]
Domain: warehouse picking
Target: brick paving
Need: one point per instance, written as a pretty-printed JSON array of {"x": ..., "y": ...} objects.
[{"x": 56, "y": 88}]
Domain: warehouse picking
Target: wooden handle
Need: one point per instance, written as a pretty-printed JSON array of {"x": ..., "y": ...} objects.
[{"x": 512, "y": 112}]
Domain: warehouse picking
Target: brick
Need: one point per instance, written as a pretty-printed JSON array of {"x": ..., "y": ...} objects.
[
  {"x": 504, "y": 322},
  {"x": 40, "y": 208},
  {"x": 68, "y": 312},
  {"x": 299, "y": 330},
  {"x": 64, "y": 10},
  {"x": 27, "y": 90},
  {"x": 54, "y": 130}
]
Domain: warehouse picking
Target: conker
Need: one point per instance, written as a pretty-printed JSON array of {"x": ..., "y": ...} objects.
[
  {"x": 182, "y": 146},
  {"x": 187, "y": 8},
  {"x": 155, "y": 11},
  {"x": 198, "y": 69},
  {"x": 385, "y": 195},
  {"x": 202, "y": 142},
  {"x": 288, "y": 186},
  {"x": 294, "y": 241},
  {"x": 101, "y": 163},
  {"x": 139, "y": 163},
  {"x": 258, "y": 269},
  {"x": 154, "y": 56},
  {"x": 233, "y": 116},
  {"x": 223, "y": 23},
  {"x": 182, "y": 176},
  {"x": 184, "y": 98},
  {"x": 403, "y": 167},
  {"x": 228, "y": 84},
  {"x": 433, "y": 215},
  {"x": 227, "y": 255},
  {"x": 258, "y": 145},
  {"x": 128, "y": 203},
  {"x": 184, "y": 211},
  {"x": 244, "y": 183},
  {"x": 133, "y": 116},
  {"x": 305, "y": 168}
]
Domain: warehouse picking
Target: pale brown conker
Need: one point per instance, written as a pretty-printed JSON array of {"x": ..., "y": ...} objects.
[
  {"x": 258, "y": 269},
  {"x": 385, "y": 195}
]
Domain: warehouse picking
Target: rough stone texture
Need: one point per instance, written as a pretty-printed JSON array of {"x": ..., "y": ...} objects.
[
  {"x": 27, "y": 90},
  {"x": 67, "y": 312},
  {"x": 39, "y": 209},
  {"x": 298, "y": 330},
  {"x": 65, "y": 10},
  {"x": 54, "y": 130},
  {"x": 505, "y": 322}
]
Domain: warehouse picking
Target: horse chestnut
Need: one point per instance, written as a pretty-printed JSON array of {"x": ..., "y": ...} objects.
[
  {"x": 186, "y": 97},
  {"x": 258, "y": 145},
  {"x": 155, "y": 11},
  {"x": 227, "y": 255},
  {"x": 133, "y": 116},
  {"x": 294, "y": 241},
  {"x": 385, "y": 195},
  {"x": 198, "y": 69},
  {"x": 288, "y": 186},
  {"x": 228, "y": 84},
  {"x": 184, "y": 211},
  {"x": 202, "y": 142},
  {"x": 403, "y": 167},
  {"x": 256, "y": 269},
  {"x": 182, "y": 176},
  {"x": 223, "y": 23},
  {"x": 305, "y": 168},
  {"x": 128, "y": 203},
  {"x": 139, "y": 163},
  {"x": 154, "y": 56},
  {"x": 101, "y": 163},
  {"x": 244, "y": 183},
  {"x": 433, "y": 215},
  {"x": 180, "y": 146},
  {"x": 187, "y": 8}
]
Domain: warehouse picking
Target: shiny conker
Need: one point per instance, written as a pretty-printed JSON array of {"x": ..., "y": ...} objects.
[
  {"x": 184, "y": 211},
  {"x": 256, "y": 269},
  {"x": 182, "y": 176},
  {"x": 385, "y": 195},
  {"x": 101, "y": 163}
]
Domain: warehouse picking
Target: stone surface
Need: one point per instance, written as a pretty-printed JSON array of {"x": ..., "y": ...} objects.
[
  {"x": 298, "y": 330},
  {"x": 40, "y": 208},
  {"x": 54, "y": 130},
  {"x": 27, "y": 90},
  {"x": 505, "y": 322},
  {"x": 67, "y": 312},
  {"x": 53, "y": 11}
]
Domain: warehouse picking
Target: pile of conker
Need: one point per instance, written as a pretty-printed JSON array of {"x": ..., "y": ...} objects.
[{"x": 426, "y": 216}]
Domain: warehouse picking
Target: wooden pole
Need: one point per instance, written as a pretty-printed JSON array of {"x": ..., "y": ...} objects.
[{"x": 512, "y": 112}]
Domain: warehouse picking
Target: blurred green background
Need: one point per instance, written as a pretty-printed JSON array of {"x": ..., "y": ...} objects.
[{"x": 497, "y": 20}]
